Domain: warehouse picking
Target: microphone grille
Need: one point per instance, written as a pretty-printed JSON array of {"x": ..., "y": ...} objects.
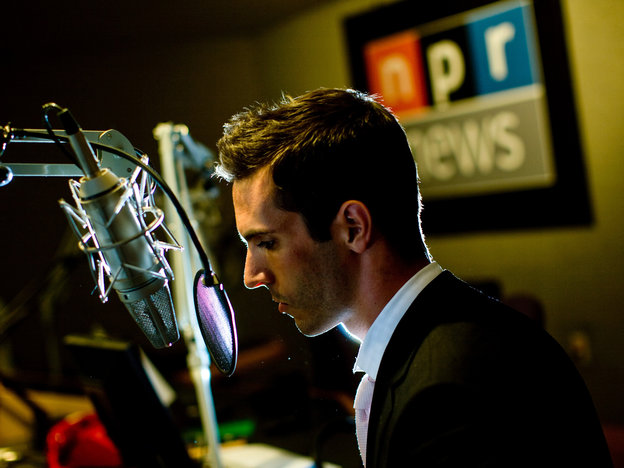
[{"x": 154, "y": 315}]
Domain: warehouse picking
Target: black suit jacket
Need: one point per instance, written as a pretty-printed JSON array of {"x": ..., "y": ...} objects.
[{"x": 466, "y": 382}]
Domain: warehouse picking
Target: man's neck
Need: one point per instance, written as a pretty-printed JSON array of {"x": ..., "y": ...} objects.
[{"x": 379, "y": 282}]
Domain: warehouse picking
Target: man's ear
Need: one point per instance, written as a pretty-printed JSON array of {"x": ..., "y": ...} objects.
[{"x": 354, "y": 225}]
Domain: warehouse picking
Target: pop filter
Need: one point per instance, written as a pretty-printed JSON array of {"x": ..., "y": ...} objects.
[{"x": 216, "y": 321}]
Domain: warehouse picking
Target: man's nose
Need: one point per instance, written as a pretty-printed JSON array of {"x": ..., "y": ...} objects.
[{"x": 256, "y": 272}]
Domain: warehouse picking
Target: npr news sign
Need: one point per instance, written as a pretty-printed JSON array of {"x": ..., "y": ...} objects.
[
  {"x": 468, "y": 85},
  {"x": 468, "y": 90}
]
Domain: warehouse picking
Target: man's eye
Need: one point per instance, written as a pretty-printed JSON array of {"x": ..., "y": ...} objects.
[{"x": 266, "y": 244}]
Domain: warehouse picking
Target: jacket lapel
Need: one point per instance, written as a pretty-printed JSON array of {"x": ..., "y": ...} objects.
[{"x": 413, "y": 328}]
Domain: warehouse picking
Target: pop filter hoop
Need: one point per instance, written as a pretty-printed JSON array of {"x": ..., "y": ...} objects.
[{"x": 215, "y": 317}]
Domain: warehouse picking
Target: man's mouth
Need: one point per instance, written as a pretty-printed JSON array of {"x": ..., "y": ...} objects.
[{"x": 281, "y": 305}]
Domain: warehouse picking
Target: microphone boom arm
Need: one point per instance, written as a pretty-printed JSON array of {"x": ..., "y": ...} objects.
[{"x": 107, "y": 159}]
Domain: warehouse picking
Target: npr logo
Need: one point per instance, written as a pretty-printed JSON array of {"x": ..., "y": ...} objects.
[
  {"x": 467, "y": 89},
  {"x": 486, "y": 54}
]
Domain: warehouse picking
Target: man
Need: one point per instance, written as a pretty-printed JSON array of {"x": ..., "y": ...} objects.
[{"x": 326, "y": 198}]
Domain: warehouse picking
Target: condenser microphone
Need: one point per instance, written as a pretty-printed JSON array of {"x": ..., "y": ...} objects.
[{"x": 123, "y": 242}]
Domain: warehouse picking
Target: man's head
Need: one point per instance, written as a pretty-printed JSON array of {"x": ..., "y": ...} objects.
[
  {"x": 326, "y": 198},
  {"x": 323, "y": 148}
]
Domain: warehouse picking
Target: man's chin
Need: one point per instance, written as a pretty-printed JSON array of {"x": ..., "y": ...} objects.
[{"x": 311, "y": 330}]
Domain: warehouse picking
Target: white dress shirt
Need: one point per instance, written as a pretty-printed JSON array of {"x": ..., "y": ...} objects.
[
  {"x": 374, "y": 345},
  {"x": 380, "y": 332}
]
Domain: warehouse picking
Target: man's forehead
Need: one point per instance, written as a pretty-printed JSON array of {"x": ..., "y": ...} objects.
[
  {"x": 254, "y": 206},
  {"x": 258, "y": 187}
]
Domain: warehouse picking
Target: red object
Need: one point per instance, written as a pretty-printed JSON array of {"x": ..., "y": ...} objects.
[
  {"x": 395, "y": 70},
  {"x": 81, "y": 441}
]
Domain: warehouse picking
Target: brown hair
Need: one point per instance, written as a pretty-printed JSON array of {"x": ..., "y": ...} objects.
[{"x": 326, "y": 147}]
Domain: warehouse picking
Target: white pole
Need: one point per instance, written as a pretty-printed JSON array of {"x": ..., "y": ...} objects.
[{"x": 184, "y": 266}]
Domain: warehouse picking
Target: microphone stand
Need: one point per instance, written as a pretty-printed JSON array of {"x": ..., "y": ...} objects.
[
  {"x": 169, "y": 138},
  {"x": 198, "y": 358}
]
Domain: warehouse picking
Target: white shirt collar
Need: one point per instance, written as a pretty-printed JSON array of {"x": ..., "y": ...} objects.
[{"x": 380, "y": 332}]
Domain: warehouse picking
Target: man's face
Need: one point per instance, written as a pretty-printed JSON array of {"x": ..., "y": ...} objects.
[{"x": 307, "y": 278}]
